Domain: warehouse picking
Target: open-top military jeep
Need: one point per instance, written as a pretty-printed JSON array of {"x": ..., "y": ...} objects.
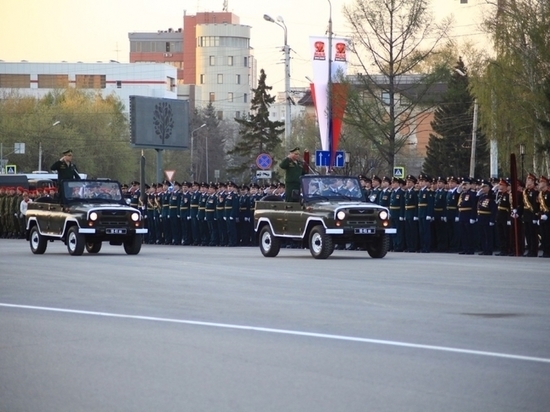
[
  {"x": 329, "y": 211},
  {"x": 83, "y": 214}
]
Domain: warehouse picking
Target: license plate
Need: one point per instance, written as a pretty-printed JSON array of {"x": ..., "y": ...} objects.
[
  {"x": 116, "y": 231},
  {"x": 364, "y": 231}
]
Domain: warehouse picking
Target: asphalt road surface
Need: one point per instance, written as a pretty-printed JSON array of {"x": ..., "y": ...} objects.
[{"x": 224, "y": 329}]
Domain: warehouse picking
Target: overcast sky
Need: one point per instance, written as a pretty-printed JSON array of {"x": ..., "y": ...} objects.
[{"x": 97, "y": 30}]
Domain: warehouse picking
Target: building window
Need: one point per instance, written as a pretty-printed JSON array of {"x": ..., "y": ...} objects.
[
  {"x": 238, "y": 114},
  {"x": 220, "y": 78},
  {"x": 245, "y": 98},
  {"x": 212, "y": 60},
  {"x": 90, "y": 81},
  {"x": 220, "y": 115},
  {"x": 202, "y": 79},
  {"x": 385, "y": 96},
  {"x": 118, "y": 84},
  {"x": 19, "y": 81},
  {"x": 170, "y": 83},
  {"x": 230, "y": 60},
  {"x": 53, "y": 81},
  {"x": 245, "y": 61},
  {"x": 212, "y": 97},
  {"x": 238, "y": 78},
  {"x": 230, "y": 97}
]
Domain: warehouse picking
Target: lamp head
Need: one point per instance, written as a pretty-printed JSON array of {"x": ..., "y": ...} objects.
[
  {"x": 280, "y": 19},
  {"x": 269, "y": 18}
]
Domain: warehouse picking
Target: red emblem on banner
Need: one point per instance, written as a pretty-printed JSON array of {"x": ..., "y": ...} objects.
[
  {"x": 319, "y": 53},
  {"x": 340, "y": 52}
]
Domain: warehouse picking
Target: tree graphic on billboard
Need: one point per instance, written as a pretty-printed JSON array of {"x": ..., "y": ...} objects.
[{"x": 163, "y": 121}]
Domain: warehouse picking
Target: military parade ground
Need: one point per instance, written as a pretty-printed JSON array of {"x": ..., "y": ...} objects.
[{"x": 224, "y": 329}]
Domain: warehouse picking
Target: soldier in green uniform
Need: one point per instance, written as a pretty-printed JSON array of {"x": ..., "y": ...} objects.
[
  {"x": 397, "y": 213},
  {"x": 294, "y": 169},
  {"x": 65, "y": 168},
  {"x": 2, "y": 213}
]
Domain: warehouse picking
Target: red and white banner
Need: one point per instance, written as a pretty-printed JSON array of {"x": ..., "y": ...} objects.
[{"x": 319, "y": 88}]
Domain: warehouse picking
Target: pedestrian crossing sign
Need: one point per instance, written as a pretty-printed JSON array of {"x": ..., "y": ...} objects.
[
  {"x": 399, "y": 172},
  {"x": 11, "y": 169}
]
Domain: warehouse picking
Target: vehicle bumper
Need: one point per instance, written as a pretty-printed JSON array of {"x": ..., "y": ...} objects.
[
  {"x": 102, "y": 231},
  {"x": 351, "y": 232}
]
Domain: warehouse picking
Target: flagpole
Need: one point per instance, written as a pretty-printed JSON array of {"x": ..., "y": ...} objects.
[{"x": 329, "y": 89}]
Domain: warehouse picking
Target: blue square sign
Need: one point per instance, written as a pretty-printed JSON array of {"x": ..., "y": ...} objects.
[{"x": 322, "y": 158}]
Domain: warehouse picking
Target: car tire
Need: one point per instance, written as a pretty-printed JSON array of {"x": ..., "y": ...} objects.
[
  {"x": 37, "y": 242},
  {"x": 270, "y": 245},
  {"x": 75, "y": 241},
  {"x": 320, "y": 244},
  {"x": 93, "y": 247},
  {"x": 379, "y": 247},
  {"x": 132, "y": 246}
]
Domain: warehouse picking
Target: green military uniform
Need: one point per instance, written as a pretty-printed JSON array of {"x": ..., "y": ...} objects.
[
  {"x": 294, "y": 169},
  {"x": 66, "y": 170}
]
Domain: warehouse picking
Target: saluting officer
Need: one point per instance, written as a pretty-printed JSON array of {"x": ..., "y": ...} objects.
[{"x": 65, "y": 168}]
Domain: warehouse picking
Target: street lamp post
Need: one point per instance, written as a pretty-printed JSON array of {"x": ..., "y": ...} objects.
[
  {"x": 281, "y": 23},
  {"x": 191, "y": 154},
  {"x": 329, "y": 103},
  {"x": 474, "y": 132},
  {"x": 522, "y": 154},
  {"x": 40, "y": 146}
]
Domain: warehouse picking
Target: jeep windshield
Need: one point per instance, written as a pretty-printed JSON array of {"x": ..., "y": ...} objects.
[
  {"x": 92, "y": 191},
  {"x": 331, "y": 188}
]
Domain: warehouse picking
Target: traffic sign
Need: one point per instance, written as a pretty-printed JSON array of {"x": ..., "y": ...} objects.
[
  {"x": 322, "y": 158},
  {"x": 264, "y": 161},
  {"x": 263, "y": 174},
  {"x": 399, "y": 172},
  {"x": 11, "y": 169},
  {"x": 169, "y": 174}
]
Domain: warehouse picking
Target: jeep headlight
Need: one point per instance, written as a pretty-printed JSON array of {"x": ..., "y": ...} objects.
[
  {"x": 135, "y": 217},
  {"x": 383, "y": 215},
  {"x": 341, "y": 215},
  {"x": 93, "y": 216}
]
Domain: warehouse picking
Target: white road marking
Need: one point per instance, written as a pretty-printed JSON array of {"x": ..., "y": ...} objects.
[{"x": 286, "y": 332}]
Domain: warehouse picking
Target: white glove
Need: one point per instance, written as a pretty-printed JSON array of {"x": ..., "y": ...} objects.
[
  {"x": 247, "y": 219},
  {"x": 428, "y": 218},
  {"x": 508, "y": 223},
  {"x": 230, "y": 218},
  {"x": 456, "y": 219},
  {"x": 188, "y": 217},
  {"x": 168, "y": 217},
  {"x": 534, "y": 222},
  {"x": 472, "y": 221},
  {"x": 415, "y": 218},
  {"x": 514, "y": 213},
  {"x": 543, "y": 217},
  {"x": 444, "y": 219},
  {"x": 491, "y": 224},
  {"x": 401, "y": 219},
  {"x": 224, "y": 218}
]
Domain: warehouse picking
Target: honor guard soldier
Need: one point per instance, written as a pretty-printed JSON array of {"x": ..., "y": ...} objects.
[
  {"x": 232, "y": 213},
  {"x": 486, "y": 215},
  {"x": 440, "y": 219},
  {"x": 151, "y": 218},
  {"x": 384, "y": 196},
  {"x": 220, "y": 214},
  {"x": 376, "y": 189},
  {"x": 245, "y": 216},
  {"x": 174, "y": 214},
  {"x": 397, "y": 213},
  {"x": 544, "y": 219},
  {"x": 451, "y": 214},
  {"x": 503, "y": 219},
  {"x": 210, "y": 215},
  {"x": 467, "y": 203},
  {"x": 195, "y": 197},
  {"x": 165, "y": 203},
  {"x": 255, "y": 196},
  {"x": 134, "y": 194},
  {"x": 425, "y": 213},
  {"x": 185, "y": 214},
  {"x": 203, "y": 226},
  {"x": 411, "y": 215},
  {"x": 65, "y": 168},
  {"x": 530, "y": 216},
  {"x": 366, "y": 185}
]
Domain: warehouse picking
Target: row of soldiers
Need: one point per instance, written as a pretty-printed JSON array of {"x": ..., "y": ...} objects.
[
  {"x": 12, "y": 219},
  {"x": 465, "y": 215},
  {"x": 205, "y": 214}
]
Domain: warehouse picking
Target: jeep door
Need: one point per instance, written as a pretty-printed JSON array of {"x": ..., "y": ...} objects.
[{"x": 294, "y": 219}]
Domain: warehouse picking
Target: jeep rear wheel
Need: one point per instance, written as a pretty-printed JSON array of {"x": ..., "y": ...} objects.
[
  {"x": 320, "y": 244},
  {"x": 37, "y": 242},
  {"x": 93, "y": 247},
  {"x": 379, "y": 247},
  {"x": 132, "y": 246},
  {"x": 269, "y": 244},
  {"x": 75, "y": 242}
]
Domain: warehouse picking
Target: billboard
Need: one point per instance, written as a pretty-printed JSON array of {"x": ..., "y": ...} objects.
[{"x": 157, "y": 123}]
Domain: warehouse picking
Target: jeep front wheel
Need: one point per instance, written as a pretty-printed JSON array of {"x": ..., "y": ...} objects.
[
  {"x": 37, "y": 242},
  {"x": 75, "y": 242},
  {"x": 132, "y": 246},
  {"x": 379, "y": 247},
  {"x": 320, "y": 244},
  {"x": 269, "y": 244}
]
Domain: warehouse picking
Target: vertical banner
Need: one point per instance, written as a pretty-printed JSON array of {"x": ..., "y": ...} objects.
[{"x": 320, "y": 88}]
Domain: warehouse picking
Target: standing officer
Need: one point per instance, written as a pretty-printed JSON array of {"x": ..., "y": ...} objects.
[
  {"x": 174, "y": 214},
  {"x": 210, "y": 215},
  {"x": 451, "y": 215},
  {"x": 195, "y": 198},
  {"x": 425, "y": 213},
  {"x": 185, "y": 214},
  {"x": 232, "y": 213},
  {"x": 220, "y": 214},
  {"x": 467, "y": 203},
  {"x": 65, "y": 168},
  {"x": 411, "y": 215},
  {"x": 544, "y": 221},
  {"x": 384, "y": 196},
  {"x": 255, "y": 196},
  {"x": 294, "y": 169},
  {"x": 530, "y": 216},
  {"x": 503, "y": 219},
  {"x": 397, "y": 213},
  {"x": 486, "y": 215},
  {"x": 151, "y": 218},
  {"x": 165, "y": 203},
  {"x": 440, "y": 224},
  {"x": 375, "y": 190},
  {"x": 244, "y": 216},
  {"x": 203, "y": 225}
]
